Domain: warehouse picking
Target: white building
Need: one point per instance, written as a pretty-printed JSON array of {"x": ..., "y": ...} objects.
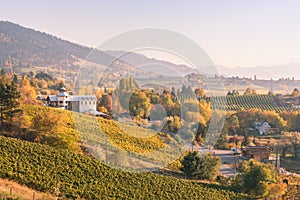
[
  {"x": 76, "y": 103},
  {"x": 262, "y": 128}
]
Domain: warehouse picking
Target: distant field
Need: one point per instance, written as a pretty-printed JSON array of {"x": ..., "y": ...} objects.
[{"x": 246, "y": 102}]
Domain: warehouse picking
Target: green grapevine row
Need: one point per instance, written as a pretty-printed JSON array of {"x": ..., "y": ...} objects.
[
  {"x": 72, "y": 175},
  {"x": 247, "y": 102}
]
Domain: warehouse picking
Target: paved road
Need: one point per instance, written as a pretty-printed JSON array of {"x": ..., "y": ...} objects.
[
  {"x": 228, "y": 171},
  {"x": 228, "y": 161},
  {"x": 227, "y": 158}
]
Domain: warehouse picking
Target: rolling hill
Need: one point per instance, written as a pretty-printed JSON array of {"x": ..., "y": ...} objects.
[
  {"x": 20, "y": 45},
  {"x": 71, "y": 175}
]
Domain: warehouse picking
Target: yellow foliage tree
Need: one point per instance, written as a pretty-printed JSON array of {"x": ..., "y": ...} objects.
[{"x": 27, "y": 92}]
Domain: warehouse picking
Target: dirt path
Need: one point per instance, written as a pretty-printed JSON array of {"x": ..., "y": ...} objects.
[{"x": 20, "y": 192}]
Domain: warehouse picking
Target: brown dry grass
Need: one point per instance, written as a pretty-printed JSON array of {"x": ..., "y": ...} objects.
[{"x": 21, "y": 192}]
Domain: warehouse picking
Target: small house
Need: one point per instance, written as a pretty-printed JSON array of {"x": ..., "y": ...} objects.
[
  {"x": 261, "y": 153},
  {"x": 262, "y": 128}
]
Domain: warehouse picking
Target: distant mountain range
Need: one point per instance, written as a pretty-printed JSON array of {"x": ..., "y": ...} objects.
[
  {"x": 263, "y": 72},
  {"x": 27, "y": 46},
  {"x": 153, "y": 65},
  {"x": 24, "y": 46}
]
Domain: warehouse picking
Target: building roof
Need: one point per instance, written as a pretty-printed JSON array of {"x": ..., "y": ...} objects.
[
  {"x": 62, "y": 94},
  {"x": 53, "y": 98},
  {"x": 257, "y": 149},
  {"x": 62, "y": 89},
  {"x": 82, "y": 97}
]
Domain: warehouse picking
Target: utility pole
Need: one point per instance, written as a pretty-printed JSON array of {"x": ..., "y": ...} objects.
[
  {"x": 106, "y": 146},
  {"x": 277, "y": 162},
  {"x": 235, "y": 155}
]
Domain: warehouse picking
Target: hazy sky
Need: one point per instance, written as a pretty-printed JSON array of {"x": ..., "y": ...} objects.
[{"x": 232, "y": 32}]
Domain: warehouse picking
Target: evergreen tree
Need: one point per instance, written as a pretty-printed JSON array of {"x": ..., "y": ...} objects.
[
  {"x": 9, "y": 101},
  {"x": 246, "y": 141},
  {"x": 201, "y": 167},
  {"x": 12, "y": 101},
  {"x": 173, "y": 92}
]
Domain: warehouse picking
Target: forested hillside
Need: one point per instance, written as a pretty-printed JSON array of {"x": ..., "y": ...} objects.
[{"x": 26, "y": 46}]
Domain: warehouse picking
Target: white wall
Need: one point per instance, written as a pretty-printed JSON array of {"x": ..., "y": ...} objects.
[{"x": 85, "y": 105}]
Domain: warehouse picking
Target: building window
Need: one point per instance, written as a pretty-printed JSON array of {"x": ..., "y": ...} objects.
[
  {"x": 90, "y": 102},
  {"x": 60, "y": 101},
  {"x": 94, "y": 102},
  {"x": 85, "y": 102},
  {"x": 81, "y": 102}
]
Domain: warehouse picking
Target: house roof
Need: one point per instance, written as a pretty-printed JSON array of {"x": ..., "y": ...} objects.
[
  {"x": 74, "y": 97},
  {"x": 82, "y": 97},
  {"x": 62, "y": 94},
  {"x": 257, "y": 149},
  {"x": 53, "y": 98}
]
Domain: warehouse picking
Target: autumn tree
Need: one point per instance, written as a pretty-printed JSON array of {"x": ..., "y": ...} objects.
[
  {"x": 247, "y": 118},
  {"x": 233, "y": 93},
  {"x": 167, "y": 103},
  {"x": 139, "y": 104},
  {"x": 27, "y": 92},
  {"x": 106, "y": 102},
  {"x": 250, "y": 91},
  {"x": 44, "y": 122},
  {"x": 205, "y": 109},
  {"x": 199, "y": 92},
  {"x": 295, "y": 92},
  {"x": 189, "y": 106}
]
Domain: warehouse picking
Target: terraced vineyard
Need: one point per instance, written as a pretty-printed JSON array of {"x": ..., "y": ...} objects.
[
  {"x": 71, "y": 175},
  {"x": 98, "y": 135},
  {"x": 247, "y": 102}
]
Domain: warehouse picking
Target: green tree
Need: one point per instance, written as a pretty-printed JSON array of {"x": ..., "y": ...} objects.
[
  {"x": 9, "y": 101},
  {"x": 256, "y": 178},
  {"x": 201, "y": 167},
  {"x": 190, "y": 164},
  {"x": 246, "y": 141},
  {"x": 124, "y": 91},
  {"x": 222, "y": 141},
  {"x": 12, "y": 101},
  {"x": 233, "y": 124}
]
